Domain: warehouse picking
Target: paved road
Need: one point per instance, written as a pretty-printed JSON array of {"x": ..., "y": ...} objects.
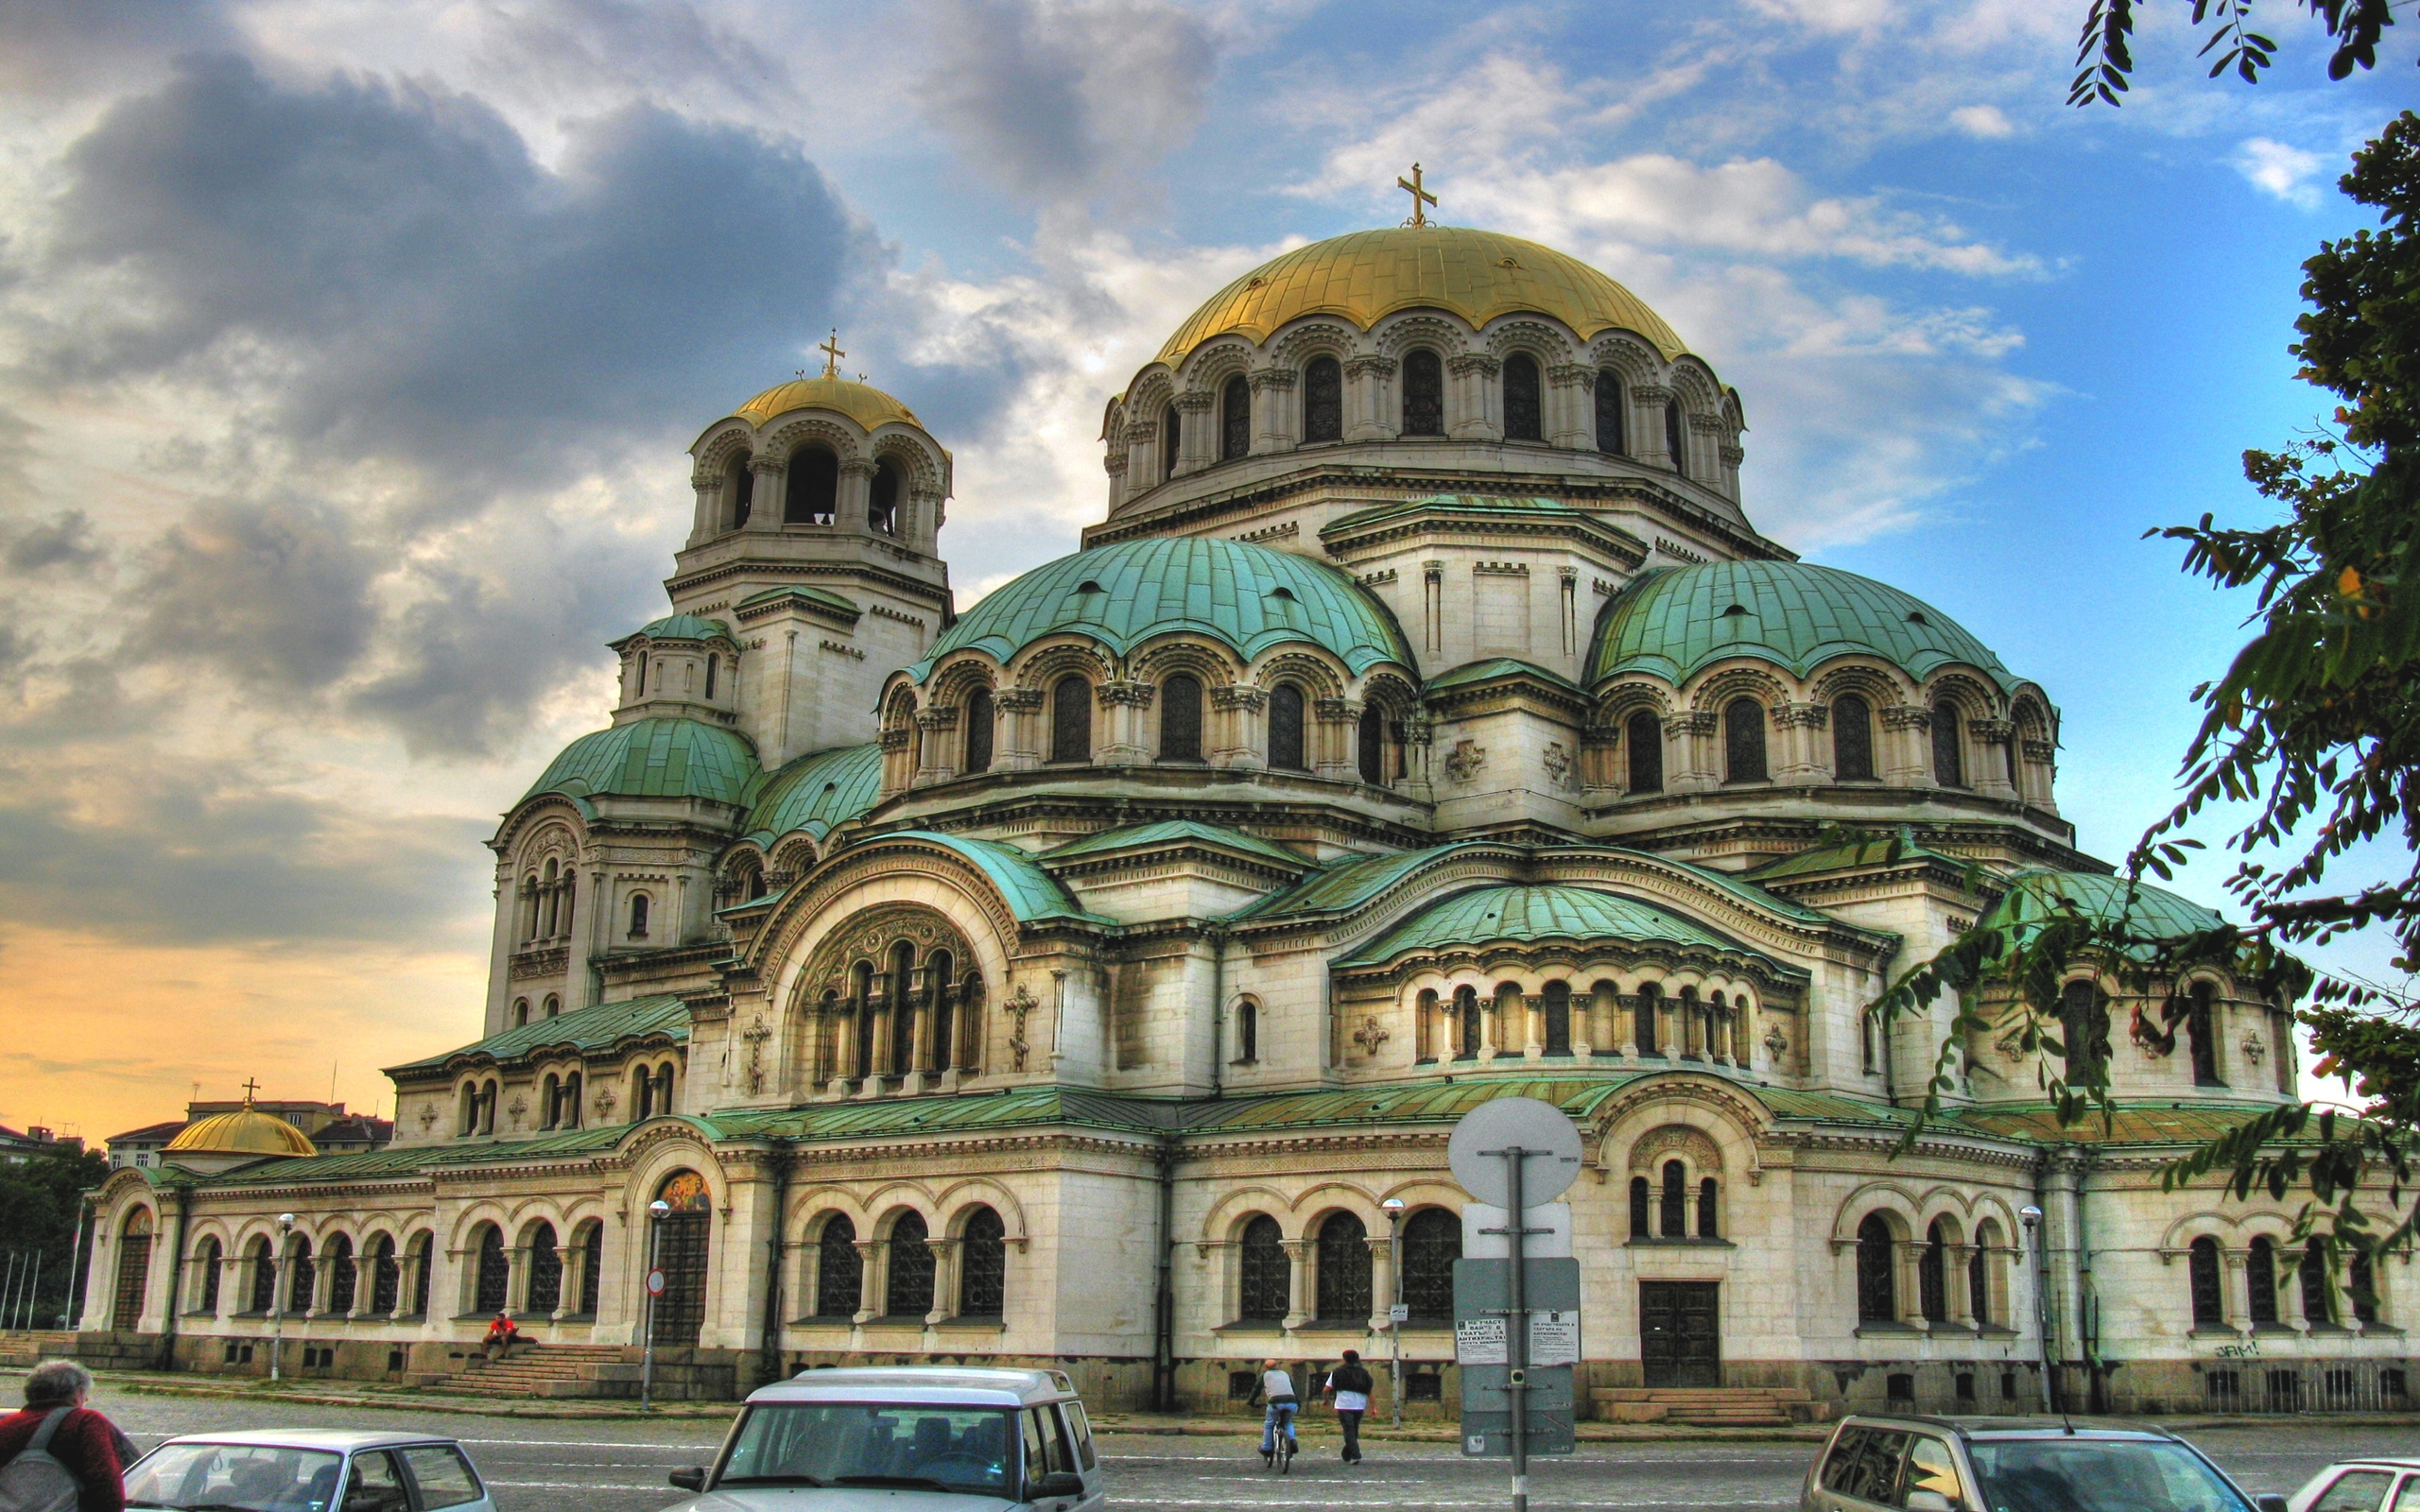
[{"x": 619, "y": 1464}]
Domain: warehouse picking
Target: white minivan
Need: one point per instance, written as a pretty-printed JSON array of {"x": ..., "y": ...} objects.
[{"x": 905, "y": 1439}]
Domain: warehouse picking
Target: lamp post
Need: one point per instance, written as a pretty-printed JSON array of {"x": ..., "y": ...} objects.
[
  {"x": 277, "y": 1296},
  {"x": 655, "y": 1213},
  {"x": 1394, "y": 1207},
  {"x": 2031, "y": 1217}
]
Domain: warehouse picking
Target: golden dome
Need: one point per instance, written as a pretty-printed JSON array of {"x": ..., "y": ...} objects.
[
  {"x": 864, "y": 402},
  {"x": 245, "y": 1131},
  {"x": 1366, "y": 275}
]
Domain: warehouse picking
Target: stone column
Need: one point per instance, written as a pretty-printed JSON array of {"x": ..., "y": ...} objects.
[
  {"x": 1956, "y": 1292},
  {"x": 1020, "y": 728},
  {"x": 854, "y": 497},
  {"x": 1382, "y": 1282},
  {"x": 1143, "y": 468},
  {"x": 1533, "y": 1017},
  {"x": 1571, "y": 406},
  {"x": 1905, "y": 759},
  {"x": 928, "y": 509},
  {"x": 765, "y": 504},
  {"x": 1689, "y": 738},
  {"x": 2236, "y": 1291},
  {"x": 1369, "y": 384},
  {"x": 1198, "y": 435},
  {"x": 872, "y": 1254},
  {"x": 1731, "y": 453},
  {"x": 1474, "y": 402},
  {"x": 936, "y": 748},
  {"x": 1123, "y": 704},
  {"x": 1274, "y": 413},
  {"x": 1298, "y": 1272},
  {"x": 1805, "y": 756},
  {"x": 1646, "y": 430},
  {"x": 1906, "y": 1256},
  {"x": 705, "y": 524},
  {"x": 1115, "y": 465},
  {"x": 1331, "y": 739},
  {"x": 945, "y": 1259},
  {"x": 567, "y": 1286},
  {"x": 1990, "y": 775},
  {"x": 1236, "y": 719}
]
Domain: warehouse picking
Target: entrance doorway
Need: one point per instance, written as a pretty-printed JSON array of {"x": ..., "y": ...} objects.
[
  {"x": 1679, "y": 1335},
  {"x": 681, "y": 1254}
]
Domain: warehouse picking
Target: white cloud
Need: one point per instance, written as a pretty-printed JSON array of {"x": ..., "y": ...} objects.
[
  {"x": 2281, "y": 171},
  {"x": 1982, "y": 121}
]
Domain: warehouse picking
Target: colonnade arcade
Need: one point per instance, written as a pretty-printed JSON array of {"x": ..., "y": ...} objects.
[
  {"x": 1593, "y": 1012},
  {"x": 893, "y": 1001}
]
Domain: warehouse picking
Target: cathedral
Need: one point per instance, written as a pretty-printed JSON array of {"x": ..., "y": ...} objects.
[{"x": 1092, "y": 978}]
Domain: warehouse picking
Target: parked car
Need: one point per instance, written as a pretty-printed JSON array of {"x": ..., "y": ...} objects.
[
  {"x": 1919, "y": 1464},
  {"x": 905, "y": 1439},
  {"x": 2379, "y": 1484},
  {"x": 308, "y": 1469}
]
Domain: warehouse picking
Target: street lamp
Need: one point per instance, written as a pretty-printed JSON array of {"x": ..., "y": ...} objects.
[
  {"x": 2031, "y": 1217},
  {"x": 655, "y": 1215},
  {"x": 1396, "y": 1309},
  {"x": 277, "y": 1296}
]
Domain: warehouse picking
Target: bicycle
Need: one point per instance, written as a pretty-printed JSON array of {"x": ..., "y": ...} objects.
[{"x": 1279, "y": 1430}]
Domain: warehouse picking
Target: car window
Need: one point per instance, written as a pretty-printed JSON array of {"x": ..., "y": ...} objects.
[
  {"x": 1865, "y": 1465},
  {"x": 1037, "y": 1462},
  {"x": 2407, "y": 1496},
  {"x": 867, "y": 1443},
  {"x": 1083, "y": 1430},
  {"x": 1931, "y": 1467},
  {"x": 444, "y": 1477},
  {"x": 2099, "y": 1475},
  {"x": 376, "y": 1484},
  {"x": 2356, "y": 1491},
  {"x": 236, "y": 1477},
  {"x": 1058, "y": 1455}
]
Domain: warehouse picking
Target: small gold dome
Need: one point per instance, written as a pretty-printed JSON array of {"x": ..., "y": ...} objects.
[
  {"x": 245, "y": 1131},
  {"x": 864, "y": 402},
  {"x": 1367, "y": 275}
]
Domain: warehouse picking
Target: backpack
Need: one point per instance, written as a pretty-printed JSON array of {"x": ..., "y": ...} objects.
[{"x": 35, "y": 1482}]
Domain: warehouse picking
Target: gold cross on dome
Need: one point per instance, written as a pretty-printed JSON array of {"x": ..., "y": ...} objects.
[
  {"x": 251, "y": 1088},
  {"x": 832, "y": 355},
  {"x": 1421, "y": 198}
]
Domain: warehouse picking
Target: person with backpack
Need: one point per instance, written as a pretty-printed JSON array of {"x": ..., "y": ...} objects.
[
  {"x": 58, "y": 1455},
  {"x": 1350, "y": 1385}
]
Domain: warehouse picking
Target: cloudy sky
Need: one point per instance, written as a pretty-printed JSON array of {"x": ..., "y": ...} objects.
[{"x": 348, "y": 353}]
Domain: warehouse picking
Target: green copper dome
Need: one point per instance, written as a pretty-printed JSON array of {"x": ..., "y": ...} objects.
[
  {"x": 1526, "y": 914},
  {"x": 1250, "y": 597},
  {"x": 679, "y": 627},
  {"x": 2035, "y": 898},
  {"x": 1676, "y": 622},
  {"x": 653, "y": 758},
  {"x": 815, "y": 793}
]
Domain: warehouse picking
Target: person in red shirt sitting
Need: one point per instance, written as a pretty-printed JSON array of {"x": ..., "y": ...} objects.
[
  {"x": 502, "y": 1337},
  {"x": 87, "y": 1445}
]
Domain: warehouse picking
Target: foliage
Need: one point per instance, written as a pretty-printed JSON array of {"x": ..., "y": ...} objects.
[
  {"x": 39, "y": 1208},
  {"x": 2104, "y": 60},
  {"x": 2316, "y": 724}
]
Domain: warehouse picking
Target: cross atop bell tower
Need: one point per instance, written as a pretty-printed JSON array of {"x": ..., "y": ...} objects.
[{"x": 1421, "y": 198}]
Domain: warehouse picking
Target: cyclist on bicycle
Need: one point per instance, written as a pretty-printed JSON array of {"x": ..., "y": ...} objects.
[{"x": 1277, "y": 1386}]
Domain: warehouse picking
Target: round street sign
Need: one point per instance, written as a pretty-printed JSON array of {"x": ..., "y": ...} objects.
[
  {"x": 1551, "y": 1161},
  {"x": 655, "y": 1283}
]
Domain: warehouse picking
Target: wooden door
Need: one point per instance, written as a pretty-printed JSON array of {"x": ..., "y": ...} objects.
[
  {"x": 681, "y": 1256},
  {"x": 1680, "y": 1332}
]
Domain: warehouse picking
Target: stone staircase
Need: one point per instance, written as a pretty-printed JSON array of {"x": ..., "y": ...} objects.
[
  {"x": 22, "y": 1349},
  {"x": 542, "y": 1370},
  {"x": 1709, "y": 1406}
]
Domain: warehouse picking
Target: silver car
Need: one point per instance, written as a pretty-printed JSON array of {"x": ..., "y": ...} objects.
[
  {"x": 2376, "y": 1485},
  {"x": 1912, "y": 1463},
  {"x": 308, "y": 1469},
  {"x": 905, "y": 1439}
]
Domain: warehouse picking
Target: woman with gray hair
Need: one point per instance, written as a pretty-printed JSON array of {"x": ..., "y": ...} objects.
[{"x": 58, "y": 1453}]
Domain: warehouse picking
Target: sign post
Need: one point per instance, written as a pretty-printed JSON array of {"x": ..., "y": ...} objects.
[
  {"x": 1514, "y": 1152},
  {"x": 655, "y": 1212}
]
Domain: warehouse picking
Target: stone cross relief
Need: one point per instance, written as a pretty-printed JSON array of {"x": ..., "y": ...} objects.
[
  {"x": 1777, "y": 1041},
  {"x": 756, "y": 1034},
  {"x": 1020, "y": 1003},
  {"x": 1463, "y": 762},
  {"x": 1558, "y": 762},
  {"x": 1370, "y": 1036},
  {"x": 2252, "y": 1048}
]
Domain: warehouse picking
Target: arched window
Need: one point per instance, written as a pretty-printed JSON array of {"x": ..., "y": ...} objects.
[
  {"x": 386, "y": 1277},
  {"x": 811, "y": 493},
  {"x": 983, "y": 1266},
  {"x": 1432, "y": 1241},
  {"x": 910, "y": 1293},
  {"x": 1285, "y": 728},
  {"x": 2202, "y": 1268},
  {"x": 520, "y": 1013},
  {"x": 1948, "y": 763},
  {"x": 1612, "y": 412},
  {"x": 546, "y": 1270},
  {"x": 553, "y": 897},
  {"x": 1644, "y": 1025},
  {"x": 205, "y": 1260},
  {"x": 742, "y": 482},
  {"x": 664, "y": 1089},
  {"x": 2261, "y": 1282},
  {"x": 1324, "y": 400},
  {"x": 1709, "y": 1204},
  {"x": 1932, "y": 1279},
  {"x": 1466, "y": 1013},
  {"x": 1235, "y": 418},
  {"x": 1344, "y": 1270},
  {"x": 554, "y": 1005},
  {"x": 1674, "y": 442},
  {"x": 638, "y": 916},
  {"x": 1423, "y": 393},
  {"x": 1071, "y": 720},
  {"x": 642, "y": 1095},
  {"x": 2319, "y": 1302},
  {"x": 941, "y": 986},
  {"x": 840, "y": 1270},
  {"x": 1247, "y": 1032},
  {"x": 1642, "y": 1203},
  {"x": 1743, "y": 741},
  {"x": 714, "y": 666},
  {"x": 1523, "y": 420},
  {"x": 2083, "y": 1031},
  {"x": 1558, "y": 1016},
  {"x": 591, "y": 1268},
  {"x": 2364, "y": 1288},
  {"x": 978, "y": 732},
  {"x": 263, "y": 1277},
  {"x": 494, "y": 1274},
  {"x": 1181, "y": 718},
  {"x": 549, "y": 1099},
  {"x": 1643, "y": 732},
  {"x": 302, "y": 1277},
  {"x": 899, "y": 995},
  {"x": 1171, "y": 439},
  {"x": 1672, "y": 1212},
  {"x": 1370, "y": 747},
  {"x": 1852, "y": 739},
  {"x": 2202, "y": 1033},
  {"x": 1865, "y": 1033},
  {"x": 1876, "y": 1292},
  {"x": 882, "y": 505},
  {"x": 861, "y": 1064},
  {"x": 1267, "y": 1289}
]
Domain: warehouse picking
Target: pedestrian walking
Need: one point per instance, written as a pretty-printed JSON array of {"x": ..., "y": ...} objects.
[
  {"x": 1349, "y": 1385},
  {"x": 58, "y": 1455}
]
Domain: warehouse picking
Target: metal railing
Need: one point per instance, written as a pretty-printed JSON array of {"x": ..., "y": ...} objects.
[
  {"x": 2261, "y": 1386},
  {"x": 25, "y": 1301}
]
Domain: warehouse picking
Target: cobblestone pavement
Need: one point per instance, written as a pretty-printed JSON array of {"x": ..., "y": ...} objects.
[{"x": 619, "y": 1464}]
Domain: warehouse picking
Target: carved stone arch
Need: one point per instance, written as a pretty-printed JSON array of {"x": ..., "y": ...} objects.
[
  {"x": 661, "y": 1147},
  {"x": 1693, "y": 383},
  {"x": 1548, "y": 342},
  {"x": 1708, "y": 1103},
  {"x": 1399, "y": 334},
  {"x": 527, "y": 1217},
  {"x": 2208, "y": 1223},
  {"x": 1896, "y": 1204},
  {"x": 810, "y": 1209},
  {"x": 869, "y": 935},
  {"x": 2276, "y": 1227},
  {"x": 794, "y": 855},
  {"x": 1629, "y": 355},
  {"x": 915, "y": 456},
  {"x": 1974, "y": 698},
  {"x": 1716, "y": 691},
  {"x": 874, "y": 872},
  {"x": 1224, "y": 1222},
  {"x": 1312, "y": 335},
  {"x": 1321, "y": 678},
  {"x": 1390, "y": 691},
  {"x": 959, "y": 1200},
  {"x": 1184, "y": 651},
  {"x": 742, "y": 856},
  {"x": 1878, "y": 683},
  {"x": 1210, "y": 364},
  {"x": 954, "y": 680},
  {"x": 1734, "y": 416},
  {"x": 1041, "y": 667},
  {"x": 813, "y": 430},
  {"x": 468, "y": 1223},
  {"x": 535, "y": 815},
  {"x": 1152, "y": 390},
  {"x": 1316, "y": 1203},
  {"x": 1623, "y": 699},
  {"x": 895, "y": 1205},
  {"x": 899, "y": 707},
  {"x": 718, "y": 448},
  {"x": 1949, "y": 1206},
  {"x": 1690, "y": 1144},
  {"x": 2030, "y": 712}
]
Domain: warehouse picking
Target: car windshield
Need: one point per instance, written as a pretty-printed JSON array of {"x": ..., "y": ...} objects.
[
  {"x": 234, "y": 1478},
  {"x": 831, "y": 1443},
  {"x": 2099, "y": 1475}
]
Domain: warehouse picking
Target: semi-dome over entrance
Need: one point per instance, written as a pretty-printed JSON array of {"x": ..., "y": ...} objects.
[{"x": 1366, "y": 275}]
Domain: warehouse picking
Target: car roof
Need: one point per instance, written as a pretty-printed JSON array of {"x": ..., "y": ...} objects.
[
  {"x": 334, "y": 1440},
  {"x": 941, "y": 1385},
  {"x": 2004, "y": 1429},
  {"x": 2396, "y": 1462}
]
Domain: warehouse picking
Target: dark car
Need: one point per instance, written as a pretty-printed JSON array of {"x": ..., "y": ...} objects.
[{"x": 1906, "y": 1463}]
